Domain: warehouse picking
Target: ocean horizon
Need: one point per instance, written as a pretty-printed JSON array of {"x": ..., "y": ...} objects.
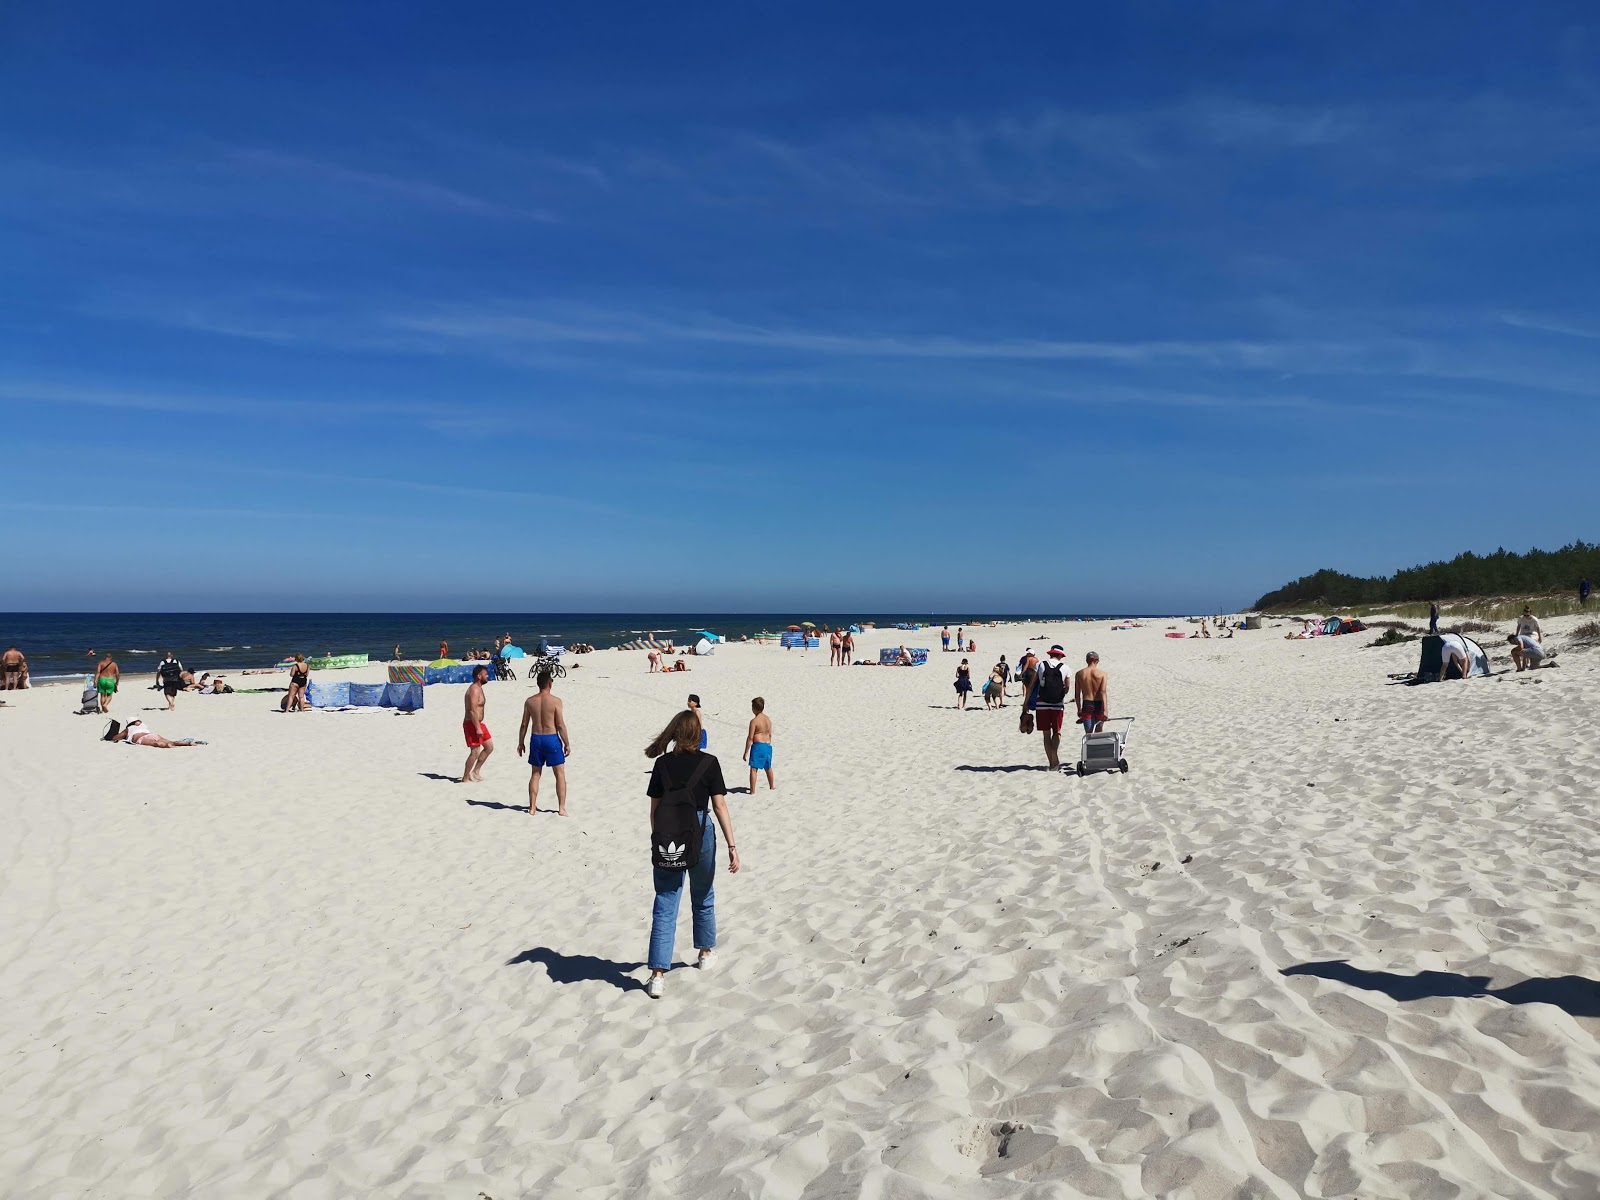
[{"x": 61, "y": 645}]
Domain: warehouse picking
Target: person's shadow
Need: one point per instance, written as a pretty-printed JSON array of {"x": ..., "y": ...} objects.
[
  {"x": 582, "y": 968},
  {"x": 1004, "y": 770},
  {"x": 1571, "y": 993}
]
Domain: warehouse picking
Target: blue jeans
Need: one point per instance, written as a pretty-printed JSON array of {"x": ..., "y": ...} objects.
[{"x": 702, "y": 900}]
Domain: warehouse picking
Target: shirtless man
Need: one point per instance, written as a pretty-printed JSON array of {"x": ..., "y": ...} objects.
[
  {"x": 758, "y": 745},
  {"x": 106, "y": 676},
  {"x": 551, "y": 745},
  {"x": 12, "y": 664},
  {"x": 480, "y": 742},
  {"x": 833, "y": 648},
  {"x": 1089, "y": 694}
]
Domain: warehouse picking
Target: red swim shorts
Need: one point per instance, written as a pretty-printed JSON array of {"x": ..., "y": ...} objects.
[
  {"x": 477, "y": 734},
  {"x": 1049, "y": 719}
]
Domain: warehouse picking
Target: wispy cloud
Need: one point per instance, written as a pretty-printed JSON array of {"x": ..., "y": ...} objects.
[
  {"x": 417, "y": 191},
  {"x": 1080, "y": 157},
  {"x": 1547, "y": 325},
  {"x": 620, "y": 328}
]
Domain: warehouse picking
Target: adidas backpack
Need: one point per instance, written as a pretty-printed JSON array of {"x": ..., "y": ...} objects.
[{"x": 676, "y": 831}]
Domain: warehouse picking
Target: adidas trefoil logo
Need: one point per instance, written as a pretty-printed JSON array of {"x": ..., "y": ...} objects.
[{"x": 674, "y": 850}]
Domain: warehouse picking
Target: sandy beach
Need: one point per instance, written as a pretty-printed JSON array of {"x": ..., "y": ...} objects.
[{"x": 1328, "y": 937}]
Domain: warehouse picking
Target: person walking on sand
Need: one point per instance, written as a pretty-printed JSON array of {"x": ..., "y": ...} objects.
[
  {"x": 847, "y": 648},
  {"x": 833, "y": 648},
  {"x": 107, "y": 676},
  {"x": 169, "y": 674},
  {"x": 480, "y": 742},
  {"x": 1583, "y": 592},
  {"x": 1003, "y": 669},
  {"x": 12, "y": 666},
  {"x": 444, "y": 647},
  {"x": 758, "y": 745},
  {"x": 1050, "y": 703},
  {"x": 1089, "y": 694},
  {"x": 699, "y": 714},
  {"x": 963, "y": 684},
  {"x": 551, "y": 745},
  {"x": 1433, "y": 617},
  {"x": 944, "y": 638},
  {"x": 686, "y": 787}
]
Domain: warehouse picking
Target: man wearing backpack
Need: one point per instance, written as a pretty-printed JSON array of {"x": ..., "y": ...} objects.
[
  {"x": 1050, "y": 702},
  {"x": 170, "y": 676}
]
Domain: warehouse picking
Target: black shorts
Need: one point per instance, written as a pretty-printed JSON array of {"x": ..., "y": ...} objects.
[{"x": 171, "y": 689}]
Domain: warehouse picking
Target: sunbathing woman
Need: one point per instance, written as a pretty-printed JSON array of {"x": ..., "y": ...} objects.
[{"x": 137, "y": 735}]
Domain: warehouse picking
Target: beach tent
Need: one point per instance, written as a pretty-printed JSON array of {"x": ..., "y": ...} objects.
[
  {"x": 512, "y": 652},
  {"x": 708, "y": 635},
  {"x": 705, "y": 646},
  {"x": 1433, "y": 656},
  {"x": 1337, "y": 625}
]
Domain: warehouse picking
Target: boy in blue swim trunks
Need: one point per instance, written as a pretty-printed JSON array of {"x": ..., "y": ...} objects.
[
  {"x": 758, "y": 745},
  {"x": 550, "y": 746}
]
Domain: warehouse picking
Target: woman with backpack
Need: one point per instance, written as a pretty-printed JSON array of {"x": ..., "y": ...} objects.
[{"x": 685, "y": 789}]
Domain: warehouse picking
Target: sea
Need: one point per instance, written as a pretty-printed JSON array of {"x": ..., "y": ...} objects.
[{"x": 67, "y": 645}]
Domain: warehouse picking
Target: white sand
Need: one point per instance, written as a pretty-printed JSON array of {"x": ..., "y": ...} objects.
[{"x": 291, "y": 963}]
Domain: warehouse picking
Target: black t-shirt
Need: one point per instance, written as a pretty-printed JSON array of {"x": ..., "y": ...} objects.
[{"x": 672, "y": 771}]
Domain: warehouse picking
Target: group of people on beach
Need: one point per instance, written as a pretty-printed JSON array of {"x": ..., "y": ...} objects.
[
  {"x": 1045, "y": 694},
  {"x": 963, "y": 646},
  {"x": 688, "y": 780},
  {"x": 841, "y": 645}
]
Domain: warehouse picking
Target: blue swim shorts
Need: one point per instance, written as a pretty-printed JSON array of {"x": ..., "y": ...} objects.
[
  {"x": 545, "y": 751},
  {"x": 761, "y": 756}
]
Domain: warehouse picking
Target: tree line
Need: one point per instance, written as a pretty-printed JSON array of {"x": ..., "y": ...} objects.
[{"x": 1465, "y": 576}]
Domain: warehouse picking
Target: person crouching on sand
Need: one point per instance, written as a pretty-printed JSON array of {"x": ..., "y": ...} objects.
[
  {"x": 758, "y": 745},
  {"x": 690, "y": 770}
]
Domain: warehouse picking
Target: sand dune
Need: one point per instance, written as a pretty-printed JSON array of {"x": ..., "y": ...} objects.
[{"x": 1327, "y": 938}]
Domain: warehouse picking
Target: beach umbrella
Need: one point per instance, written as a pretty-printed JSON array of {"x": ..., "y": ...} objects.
[
  {"x": 794, "y": 629},
  {"x": 808, "y": 624}
]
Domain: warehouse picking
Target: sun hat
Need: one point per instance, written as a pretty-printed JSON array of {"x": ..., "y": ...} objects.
[{"x": 1056, "y": 652}]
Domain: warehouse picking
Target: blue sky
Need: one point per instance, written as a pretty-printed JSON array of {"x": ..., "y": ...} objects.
[{"x": 917, "y": 307}]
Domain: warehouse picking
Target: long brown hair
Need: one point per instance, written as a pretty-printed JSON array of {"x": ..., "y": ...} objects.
[{"x": 683, "y": 731}]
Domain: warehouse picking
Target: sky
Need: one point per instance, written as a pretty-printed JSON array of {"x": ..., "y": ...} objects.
[{"x": 760, "y": 307}]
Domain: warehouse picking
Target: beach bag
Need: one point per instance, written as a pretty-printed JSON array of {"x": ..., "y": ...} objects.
[
  {"x": 1052, "y": 685},
  {"x": 676, "y": 832},
  {"x": 1025, "y": 724}
]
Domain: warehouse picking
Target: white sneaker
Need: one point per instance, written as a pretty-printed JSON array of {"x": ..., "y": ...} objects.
[
  {"x": 653, "y": 988},
  {"x": 707, "y": 961}
]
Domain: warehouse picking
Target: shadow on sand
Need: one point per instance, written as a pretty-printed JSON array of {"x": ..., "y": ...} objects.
[
  {"x": 583, "y": 968},
  {"x": 1572, "y": 993},
  {"x": 1003, "y": 770}
]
